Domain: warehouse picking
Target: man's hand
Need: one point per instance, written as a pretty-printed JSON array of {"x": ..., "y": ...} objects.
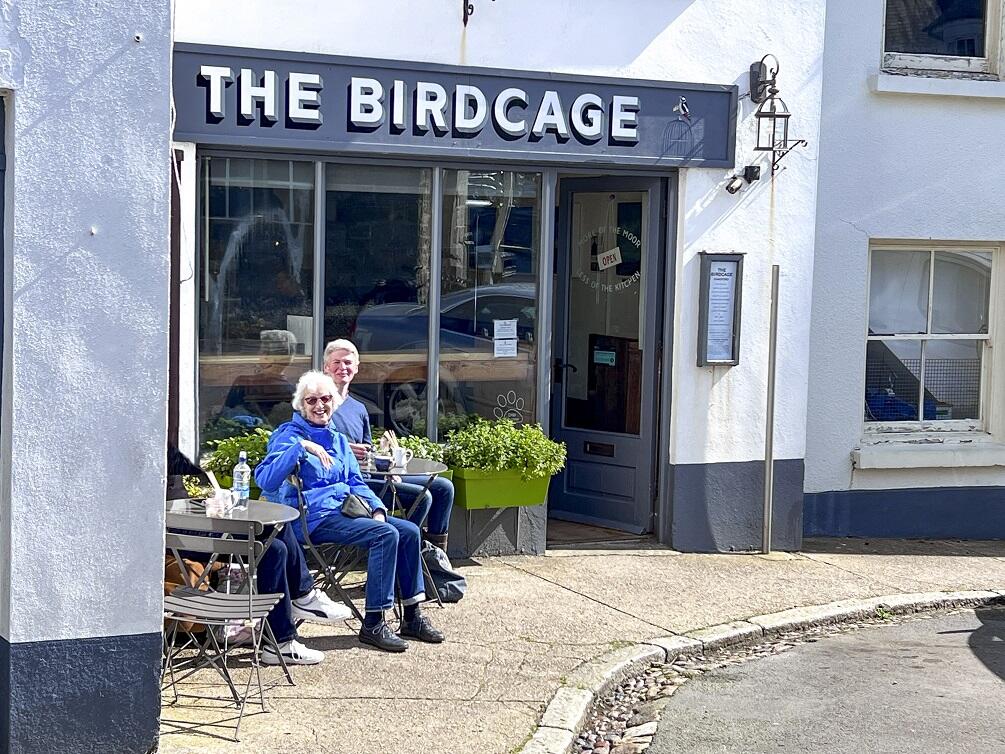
[
  {"x": 359, "y": 450},
  {"x": 378, "y": 515},
  {"x": 318, "y": 452}
]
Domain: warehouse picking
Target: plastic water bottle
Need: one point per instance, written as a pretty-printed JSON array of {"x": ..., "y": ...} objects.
[{"x": 242, "y": 481}]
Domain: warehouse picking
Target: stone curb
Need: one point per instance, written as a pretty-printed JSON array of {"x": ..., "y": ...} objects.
[{"x": 568, "y": 708}]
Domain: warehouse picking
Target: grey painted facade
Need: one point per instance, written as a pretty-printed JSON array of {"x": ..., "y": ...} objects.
[
  {"x": 718, "y": 507},
  {"x": 976, "y": 512},
  {"x": 81, "y": 695}
]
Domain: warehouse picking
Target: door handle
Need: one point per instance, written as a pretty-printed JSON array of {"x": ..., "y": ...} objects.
[
  {"x": 559, "y": 370},
  {"x": 559, "y": 364}
]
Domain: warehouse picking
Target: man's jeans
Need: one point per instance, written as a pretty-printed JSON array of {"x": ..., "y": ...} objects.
[
  {"x": 393, "y": 549},
  {"x": 434, "y": 507},
  {"x": 282, "y": 570}
]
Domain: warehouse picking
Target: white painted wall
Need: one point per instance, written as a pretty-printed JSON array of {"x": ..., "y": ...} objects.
[
  {"x": 892, "y": 166},
  {"x": 85, "y": 383},
  {"x": 718, "y": 414}
]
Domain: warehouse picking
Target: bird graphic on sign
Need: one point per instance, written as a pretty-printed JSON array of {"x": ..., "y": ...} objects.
[{"x": 682, "y": 109}]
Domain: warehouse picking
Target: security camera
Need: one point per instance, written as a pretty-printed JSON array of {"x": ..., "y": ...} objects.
[{"x": 735, "y": 184}]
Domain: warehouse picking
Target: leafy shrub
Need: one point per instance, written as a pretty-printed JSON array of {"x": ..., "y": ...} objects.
[
  {"x": 422, "y": 447},
  {"x": 501, "y": 445},
  {"x": 222, "y": 459}
]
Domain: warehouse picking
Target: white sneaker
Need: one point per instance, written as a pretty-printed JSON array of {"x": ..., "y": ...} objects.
[
  {"x": 293, "y": 652},
  {"x": 318, "y": 607}
]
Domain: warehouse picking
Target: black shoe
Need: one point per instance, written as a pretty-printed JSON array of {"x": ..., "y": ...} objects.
[
  {"x": 421, "y": 629},
  {"x": 382, "y": 637}
]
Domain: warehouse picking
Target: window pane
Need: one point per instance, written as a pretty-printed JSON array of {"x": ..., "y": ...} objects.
[
  {"x": 962, "y": 291},
  {"x": 490, "y": 252},
  {"x": 257, "y": 237},
  {"x": 953, "y": 379},
  {"x": 892, "y": 380},
  {"x": 936, "y": 27},
  {"x": 377, "y": 244},
  {"x": 898, "y": 292}
]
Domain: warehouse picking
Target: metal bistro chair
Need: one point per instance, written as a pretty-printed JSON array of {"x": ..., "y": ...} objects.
[
  {"x": 211, "y": 609},
  {"x": 333, "y": 562}
]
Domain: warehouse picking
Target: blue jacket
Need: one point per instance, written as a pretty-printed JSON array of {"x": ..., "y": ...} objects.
[{"x": 324, "y": 490}]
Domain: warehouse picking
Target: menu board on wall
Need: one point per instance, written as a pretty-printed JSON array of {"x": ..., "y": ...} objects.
[{"x": 719, "y": 309}]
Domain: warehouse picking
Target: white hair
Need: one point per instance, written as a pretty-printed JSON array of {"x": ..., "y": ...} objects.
[
  {"x": 340, "y": 344},
  {"x": 312, "y": 379}
]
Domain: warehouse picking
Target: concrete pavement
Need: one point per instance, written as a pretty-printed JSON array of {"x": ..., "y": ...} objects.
[{"x": 528, "y": 623}]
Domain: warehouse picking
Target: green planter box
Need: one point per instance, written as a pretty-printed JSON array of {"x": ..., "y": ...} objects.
[{"x": 475, "y": 489}]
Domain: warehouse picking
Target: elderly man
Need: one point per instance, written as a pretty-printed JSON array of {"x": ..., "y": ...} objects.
[{"x": 341, "y": 363}]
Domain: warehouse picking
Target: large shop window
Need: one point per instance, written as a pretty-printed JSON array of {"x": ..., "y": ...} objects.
[
  {"x": 255, "y": 330},
  {"x": 927, "y": 357},
  {"x": 378, "y": 224},
  {"x": 488, "y": 304},
  {"x": 955, "y": 35}
]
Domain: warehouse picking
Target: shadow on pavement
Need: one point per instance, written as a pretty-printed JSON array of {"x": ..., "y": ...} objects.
[{"x": 988, "y": 642}]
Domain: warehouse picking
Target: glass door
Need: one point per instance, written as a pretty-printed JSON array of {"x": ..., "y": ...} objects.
[{"x": 605, "y": 379}]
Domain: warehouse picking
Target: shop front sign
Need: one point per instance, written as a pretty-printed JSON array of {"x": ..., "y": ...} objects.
[{"x": 228, "y": 96}]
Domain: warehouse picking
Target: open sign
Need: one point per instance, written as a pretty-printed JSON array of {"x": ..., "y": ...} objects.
[{"x": 609, "y": 258}]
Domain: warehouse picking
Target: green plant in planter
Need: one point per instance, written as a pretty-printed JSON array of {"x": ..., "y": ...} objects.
[
  {"x": 422, "y": 447},
  {"x": 499, "y": 465},
  {"x": 222, "y": 459},
  {"x": 503, "y": 446}
]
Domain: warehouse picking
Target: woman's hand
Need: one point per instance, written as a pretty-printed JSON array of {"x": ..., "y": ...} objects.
[
  {"x": 378, "y": 515},
  {"x": 318, "y": 452}
]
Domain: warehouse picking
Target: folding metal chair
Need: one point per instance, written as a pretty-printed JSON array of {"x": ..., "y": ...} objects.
[
  {"x": 210, "y": 609},
  {"x": 333, "y": 562}
]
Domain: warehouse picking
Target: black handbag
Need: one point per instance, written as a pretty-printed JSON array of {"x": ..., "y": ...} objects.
[{"x": 356, "y": 507}]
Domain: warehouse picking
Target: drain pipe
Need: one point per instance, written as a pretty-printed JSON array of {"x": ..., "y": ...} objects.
[{"x": 769, "y": 429}]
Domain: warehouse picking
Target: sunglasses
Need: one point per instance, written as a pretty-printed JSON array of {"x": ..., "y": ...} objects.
[{"x": 311, "y": 400}]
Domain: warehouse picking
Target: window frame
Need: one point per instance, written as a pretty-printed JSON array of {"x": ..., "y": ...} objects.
[
  {"x": 990, "y": 419},
  {"x": 991, "y": 64}
]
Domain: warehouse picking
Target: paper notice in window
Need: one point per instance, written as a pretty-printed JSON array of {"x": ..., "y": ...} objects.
[
  {"x": 504, "y": 329},
  {"x": 504, "y": 348},
  {"x": 609, "y": 258}
]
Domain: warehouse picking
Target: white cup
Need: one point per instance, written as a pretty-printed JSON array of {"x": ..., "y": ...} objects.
[{"x": 400, "y": 457}]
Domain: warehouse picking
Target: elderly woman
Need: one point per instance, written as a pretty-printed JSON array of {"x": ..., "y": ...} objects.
[{"x": 329, "y": 473}]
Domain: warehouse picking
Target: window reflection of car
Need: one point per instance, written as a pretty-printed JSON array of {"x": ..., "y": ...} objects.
[{"x": 467, "y": 325}]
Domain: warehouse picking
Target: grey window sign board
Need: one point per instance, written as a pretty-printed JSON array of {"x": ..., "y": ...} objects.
[
  {"x": 308, "y": 102},
  {"x": 719, "y": 302}
]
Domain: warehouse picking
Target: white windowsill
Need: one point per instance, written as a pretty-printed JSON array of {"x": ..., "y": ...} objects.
[
  {"x": 929, "y": 455},
  {"x": 887, "y": 83}
]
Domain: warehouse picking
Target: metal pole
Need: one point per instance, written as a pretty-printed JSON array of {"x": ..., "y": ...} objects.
[
  {"x": 433, "y": 303},
  {"x": 769, "y": 420}
]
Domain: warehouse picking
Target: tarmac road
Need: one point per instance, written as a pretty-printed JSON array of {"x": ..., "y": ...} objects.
[{"x": 935, "y": 684}]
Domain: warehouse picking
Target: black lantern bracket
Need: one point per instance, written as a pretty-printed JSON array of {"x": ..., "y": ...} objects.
[
  {"x": 468, "y": 10},
  {"x": 772, "y": 115},
  {"x": 778, "y": 155}
]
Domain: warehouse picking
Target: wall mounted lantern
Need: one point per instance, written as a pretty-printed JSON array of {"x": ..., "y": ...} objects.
[{"x": 772, "y": 116}]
